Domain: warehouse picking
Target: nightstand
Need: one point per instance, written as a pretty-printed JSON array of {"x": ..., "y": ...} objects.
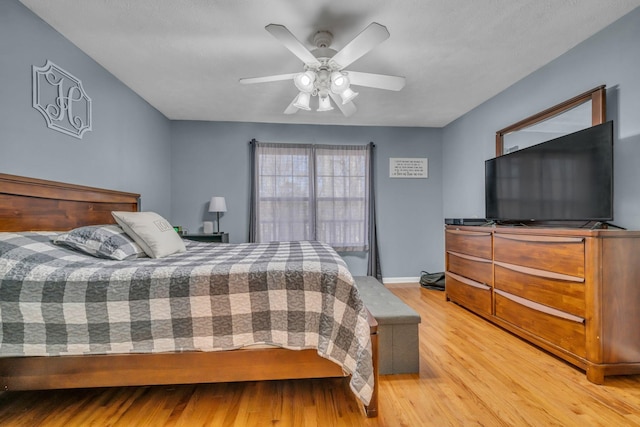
[{"x": 211, "y": 238}]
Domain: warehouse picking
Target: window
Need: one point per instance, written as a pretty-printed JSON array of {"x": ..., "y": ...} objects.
[
  {"x": 306, "y": 192},
  {"x": 285, "y": 192}
]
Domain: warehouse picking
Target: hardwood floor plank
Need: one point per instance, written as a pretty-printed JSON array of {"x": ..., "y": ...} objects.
[{"x": 471, "y": 373}]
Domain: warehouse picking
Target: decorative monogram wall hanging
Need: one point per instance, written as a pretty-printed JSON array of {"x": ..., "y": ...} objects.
[{"x": 61, "y": 99}]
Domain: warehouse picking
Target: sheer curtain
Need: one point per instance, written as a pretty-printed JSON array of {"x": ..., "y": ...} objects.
[
  {"x": 283, "y": 201},
  {"x": 342, "y": 196},
  {"x": 314, "y": 192}
]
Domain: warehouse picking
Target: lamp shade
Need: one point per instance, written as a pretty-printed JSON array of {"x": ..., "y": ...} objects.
[{"x": 217, "y": 204}]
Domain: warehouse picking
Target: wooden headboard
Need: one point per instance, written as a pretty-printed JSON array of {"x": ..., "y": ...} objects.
[{"x": 30, "y": 204}]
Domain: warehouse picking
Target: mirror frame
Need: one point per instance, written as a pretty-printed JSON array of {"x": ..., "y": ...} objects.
[{"x": 598, "y": 99}]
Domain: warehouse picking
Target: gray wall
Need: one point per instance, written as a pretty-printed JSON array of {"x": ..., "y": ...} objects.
[
  {"x": 129, "y": 146},
  {"x": 610, "y": 57},
  {"x": 212, "y": 159}
]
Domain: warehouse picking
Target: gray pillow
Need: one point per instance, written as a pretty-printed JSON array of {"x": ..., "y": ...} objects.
[
  {"x": 151, "y": 231},
  {"x": 102, "y": 241}
]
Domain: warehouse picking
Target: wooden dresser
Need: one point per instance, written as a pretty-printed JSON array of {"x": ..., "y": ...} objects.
[{"x": 572, "y": 292}]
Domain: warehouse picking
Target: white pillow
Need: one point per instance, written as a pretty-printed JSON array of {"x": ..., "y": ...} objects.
[{"x": 151, "y": 231}]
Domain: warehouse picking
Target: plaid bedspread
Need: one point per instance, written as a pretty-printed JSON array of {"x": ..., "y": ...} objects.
[{"x": 296, "y": 295}]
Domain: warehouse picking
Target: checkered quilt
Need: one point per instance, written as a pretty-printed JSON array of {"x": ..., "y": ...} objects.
[{"x": 296, "y": 295}]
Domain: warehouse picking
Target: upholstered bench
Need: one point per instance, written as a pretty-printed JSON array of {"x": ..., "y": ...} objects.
[{"x": 398, "y": 349}]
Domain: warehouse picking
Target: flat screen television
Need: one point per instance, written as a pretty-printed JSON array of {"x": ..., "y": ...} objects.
[{"x": 569, "y": 178}]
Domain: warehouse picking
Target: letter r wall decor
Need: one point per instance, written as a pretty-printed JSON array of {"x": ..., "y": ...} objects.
[{"x": 61, "y": 99}]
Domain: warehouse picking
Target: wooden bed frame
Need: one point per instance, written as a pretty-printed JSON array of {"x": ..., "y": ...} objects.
[{"x": 28, "y": 204}]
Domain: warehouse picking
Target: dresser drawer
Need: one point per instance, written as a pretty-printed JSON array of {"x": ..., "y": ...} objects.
[
  {"x": 565, "y": 293},
  {"x": 474, "y": 268},
  {"x": 472, "y": 295},
  {"x": 564, "y": 255},
  {"x": 556, "y": 327},
  {"x": 474, "y": 243}
]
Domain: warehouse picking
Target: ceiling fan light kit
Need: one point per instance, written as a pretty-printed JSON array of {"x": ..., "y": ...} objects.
[{"x": 324, "y": 74}]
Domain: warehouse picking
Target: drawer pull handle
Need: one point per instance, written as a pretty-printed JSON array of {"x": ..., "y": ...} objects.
[
  {"x": 539, "y": 273},
  {"x": 540, "y": 239},
  {"x": 540, "y": 307},
  {"x": 469, "y": 282},
  {"x": 469, "y": 257}
]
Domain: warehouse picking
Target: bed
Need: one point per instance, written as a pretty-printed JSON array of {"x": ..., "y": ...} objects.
[{"x": 35, "y": 205}]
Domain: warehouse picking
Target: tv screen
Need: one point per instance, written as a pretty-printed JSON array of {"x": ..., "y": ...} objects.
[{"x": 569, "y": 178}]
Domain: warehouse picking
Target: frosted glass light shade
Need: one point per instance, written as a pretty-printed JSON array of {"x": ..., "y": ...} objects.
[
  {"x": 324, "y": 104},
  {"x": 348, "y": 95},
  {"x": 302, "y": 101},
  {"x": 304, "y": 81},
  {"x": 217, "y": 204},
  {"x": 339, "y": 82}
]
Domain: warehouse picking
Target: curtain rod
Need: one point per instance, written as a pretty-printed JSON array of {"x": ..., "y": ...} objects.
[{"x": 253, "y": 141}]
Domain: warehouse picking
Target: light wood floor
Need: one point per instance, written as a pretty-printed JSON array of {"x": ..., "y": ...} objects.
[{"x": 471, "y": 373}]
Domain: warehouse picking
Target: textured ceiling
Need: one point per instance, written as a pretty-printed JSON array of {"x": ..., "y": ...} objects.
[{"x": 185, "y": 57}]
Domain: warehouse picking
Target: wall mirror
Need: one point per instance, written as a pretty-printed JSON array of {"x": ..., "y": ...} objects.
[{"x": 580, "y": 112}]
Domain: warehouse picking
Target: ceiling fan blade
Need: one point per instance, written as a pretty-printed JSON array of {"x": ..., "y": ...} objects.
[
  {"x": 369, "y": 38},
  {"x": 379, "y": 81},
  {"x": 267, "y": 79},
  {"x": 291, "y": 109},
  {"x": 293, "y": 44},
  {"x": 347, "y": 109}
]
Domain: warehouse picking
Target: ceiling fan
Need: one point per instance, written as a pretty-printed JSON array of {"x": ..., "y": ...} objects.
[{"x": 324, "y": 72}]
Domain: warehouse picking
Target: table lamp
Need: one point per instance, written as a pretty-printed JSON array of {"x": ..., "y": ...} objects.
[{"x": 217, "y": 205}]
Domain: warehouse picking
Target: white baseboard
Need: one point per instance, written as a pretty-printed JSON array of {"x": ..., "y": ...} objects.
[{"x": 393, "y": 280}]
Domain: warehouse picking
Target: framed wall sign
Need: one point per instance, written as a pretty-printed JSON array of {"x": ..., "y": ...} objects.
[{"x": 408, "y": 167}]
